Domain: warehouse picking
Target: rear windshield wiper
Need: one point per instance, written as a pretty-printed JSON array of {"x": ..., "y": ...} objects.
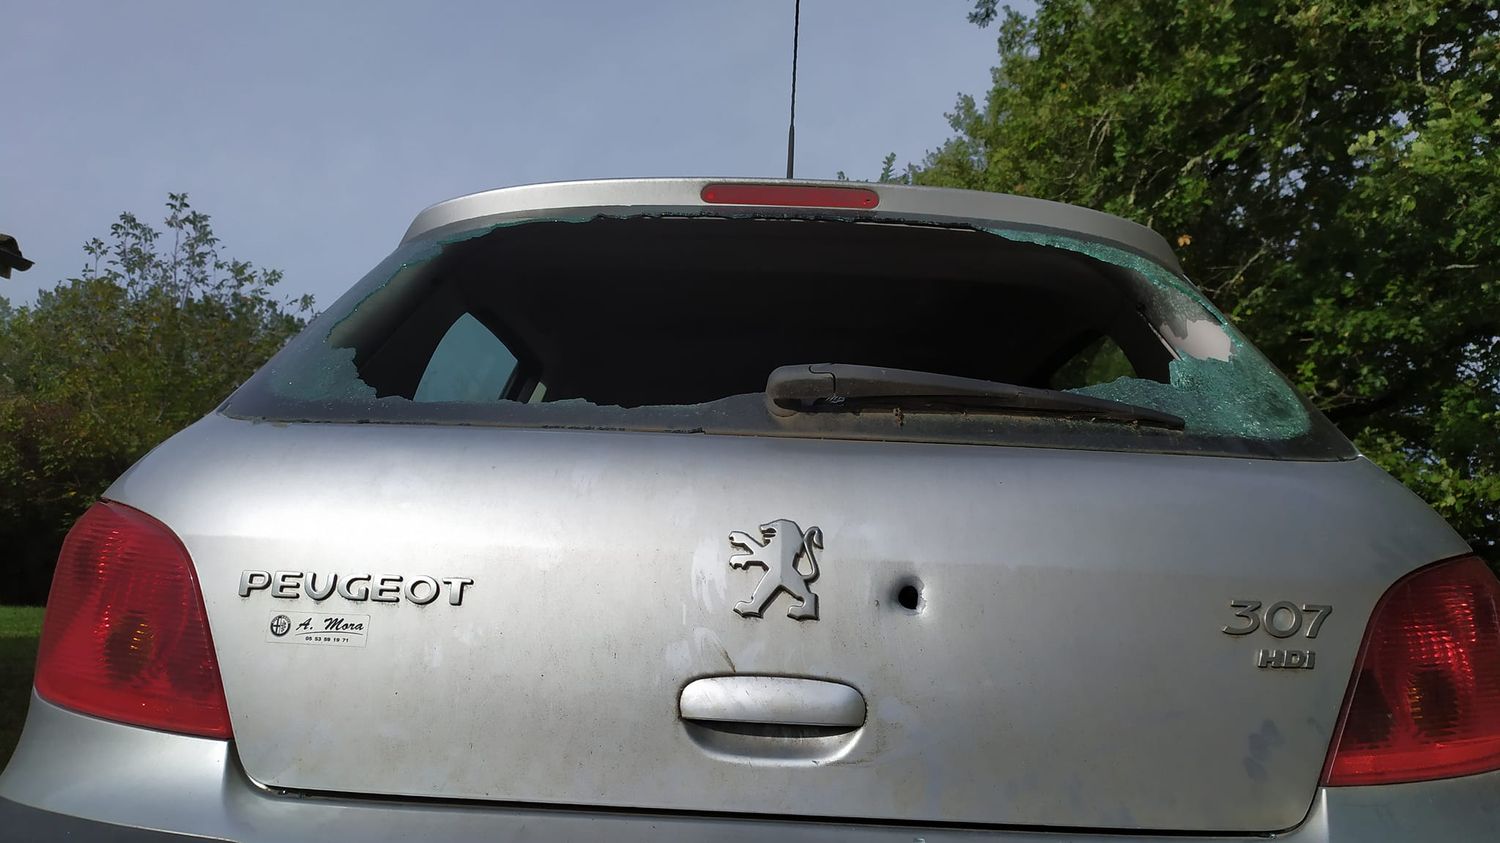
[{"x": 826, "y": 387}]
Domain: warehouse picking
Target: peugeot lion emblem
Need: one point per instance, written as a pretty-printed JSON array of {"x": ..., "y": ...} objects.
[{"x": 781, "y": 546}]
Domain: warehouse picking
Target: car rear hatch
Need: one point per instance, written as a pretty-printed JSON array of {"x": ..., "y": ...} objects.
[{"x": 577, "y": 559}]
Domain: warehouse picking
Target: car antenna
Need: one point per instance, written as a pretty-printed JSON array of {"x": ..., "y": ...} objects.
[{"x": 791, "y": 128}]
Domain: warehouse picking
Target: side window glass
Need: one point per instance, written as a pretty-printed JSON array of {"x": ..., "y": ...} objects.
[
  {"x": 469, "y": 364},
  {"x": 1101, "y": 362}
]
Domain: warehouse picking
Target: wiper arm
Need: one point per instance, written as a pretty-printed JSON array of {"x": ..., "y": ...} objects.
[{"x": 840, "y": 386}]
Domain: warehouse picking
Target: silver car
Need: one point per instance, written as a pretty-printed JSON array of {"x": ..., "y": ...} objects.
[{"x": 682, "y": 509}]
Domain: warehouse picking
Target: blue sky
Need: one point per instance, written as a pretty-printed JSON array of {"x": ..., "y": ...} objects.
[{"x": 313, "y": 132}]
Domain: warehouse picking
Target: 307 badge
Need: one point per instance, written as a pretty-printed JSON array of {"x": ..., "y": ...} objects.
[{"x": 1282, "y": 619}]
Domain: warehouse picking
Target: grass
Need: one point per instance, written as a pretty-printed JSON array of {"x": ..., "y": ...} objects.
[{"x": 20, "y": 627}]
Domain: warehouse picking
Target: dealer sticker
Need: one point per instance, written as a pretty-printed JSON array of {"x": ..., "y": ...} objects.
[{"x": 318, "y": 629}]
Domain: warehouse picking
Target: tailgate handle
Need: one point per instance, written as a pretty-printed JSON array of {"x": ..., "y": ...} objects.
[{"x": 778, "y": 700}]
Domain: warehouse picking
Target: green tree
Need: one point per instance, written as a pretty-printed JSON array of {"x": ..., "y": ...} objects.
[
  {"x": 1330, "y": 175},
  {"x": 155, "y": 331}
]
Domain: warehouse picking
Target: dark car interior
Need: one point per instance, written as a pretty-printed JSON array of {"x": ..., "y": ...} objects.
[{"x": 685, "y": 310}]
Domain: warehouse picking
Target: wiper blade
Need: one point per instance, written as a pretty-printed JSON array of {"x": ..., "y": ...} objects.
[{"x": 822, "y": 387}]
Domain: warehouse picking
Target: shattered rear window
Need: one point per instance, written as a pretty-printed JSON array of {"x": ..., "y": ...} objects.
[
  {"x": 1216, "y": 381},
  {"x": 672, "y": 321}
]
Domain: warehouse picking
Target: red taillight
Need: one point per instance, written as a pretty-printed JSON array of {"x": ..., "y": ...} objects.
[
  {"x": 125, "y": 636},
  {"x": 1426, "y": 697},
  {"x": 790, "y": 195}
]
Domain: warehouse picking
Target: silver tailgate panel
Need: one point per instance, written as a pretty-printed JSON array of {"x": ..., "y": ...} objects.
[{"x": 1067, "y": 669}]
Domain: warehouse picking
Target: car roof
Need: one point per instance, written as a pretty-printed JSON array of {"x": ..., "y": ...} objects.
[{"x": 896, "y": 202}]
